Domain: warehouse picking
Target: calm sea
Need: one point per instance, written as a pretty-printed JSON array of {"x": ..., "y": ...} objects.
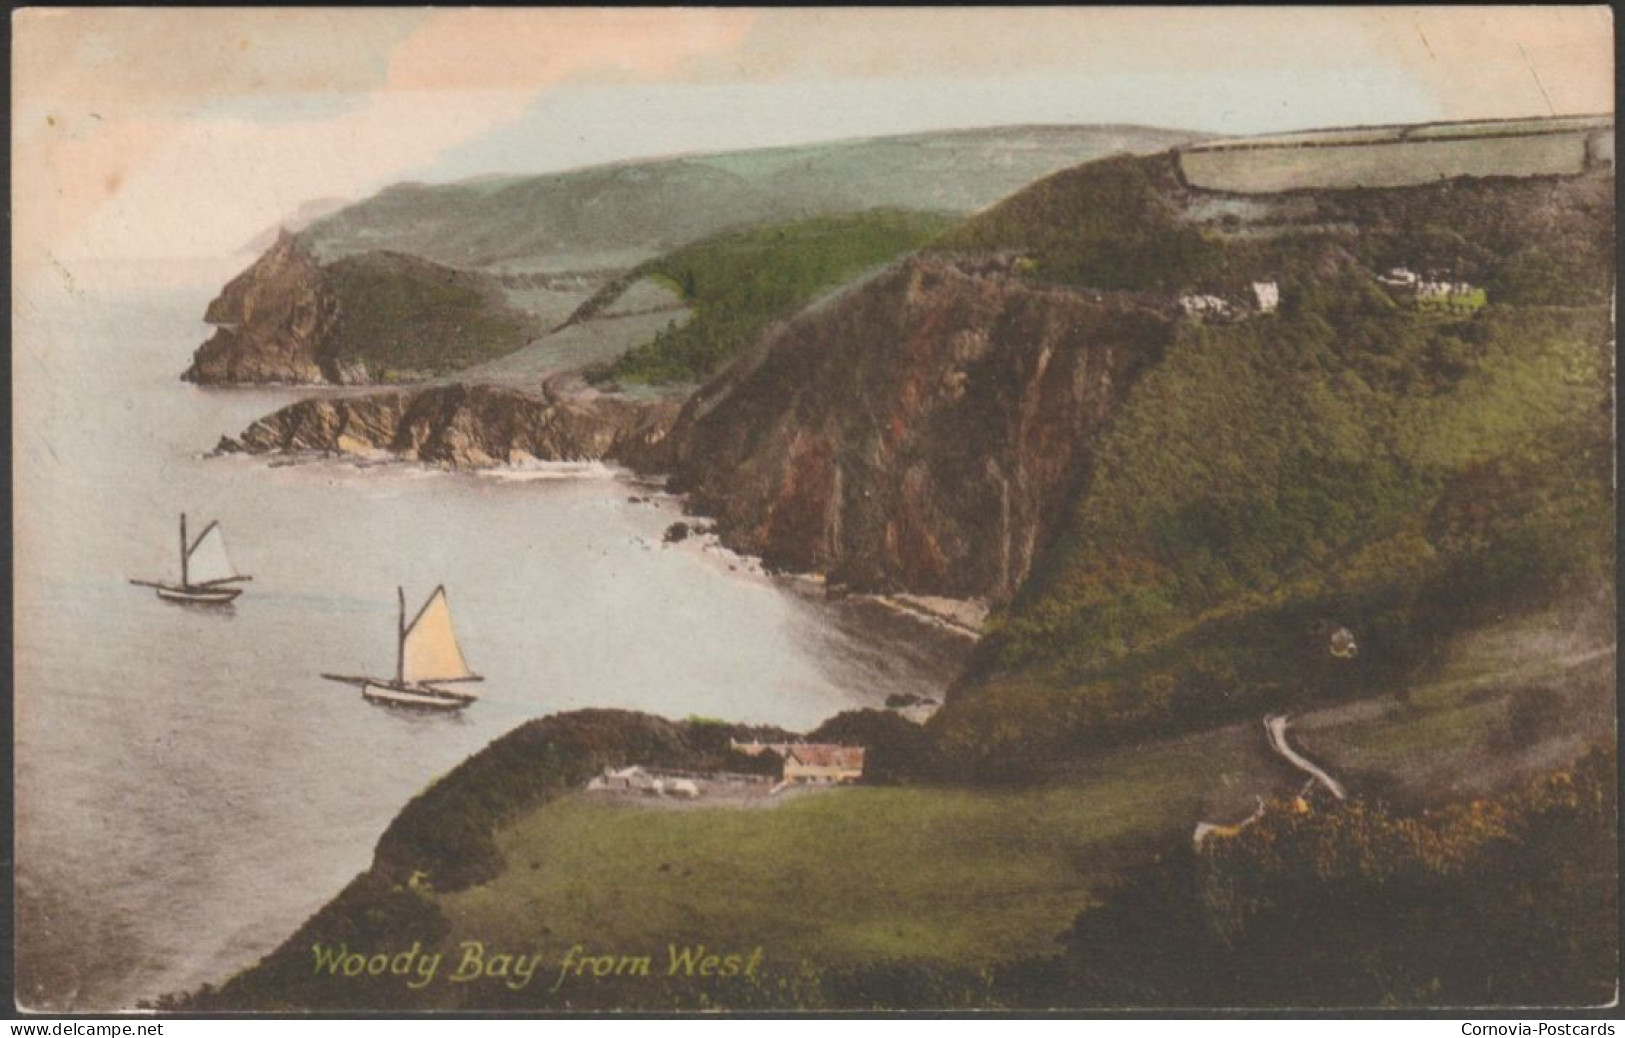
[{"x": 188, "y": 789}]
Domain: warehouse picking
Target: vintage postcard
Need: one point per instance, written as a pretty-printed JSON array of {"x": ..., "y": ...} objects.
[{"x": 720, "y": 509}]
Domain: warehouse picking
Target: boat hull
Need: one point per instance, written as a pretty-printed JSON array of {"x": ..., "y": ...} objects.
[
  {"x": 199, "y": 595},
  {"x": 422, "y": 697}
]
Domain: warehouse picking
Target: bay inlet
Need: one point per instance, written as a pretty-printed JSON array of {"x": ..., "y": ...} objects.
[{"x": 188, "y": 789}]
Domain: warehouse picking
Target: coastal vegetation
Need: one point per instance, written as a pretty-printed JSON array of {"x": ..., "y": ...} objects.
[
  {"x": 1362, "y": 906},
  {"x": 445, "y": 833},
  {"x": 738, "y": 283},
  {"x": 1347, "y": 461},
  {"x": 404, "y": 319},
  {"x": 1402, "y": 477}
]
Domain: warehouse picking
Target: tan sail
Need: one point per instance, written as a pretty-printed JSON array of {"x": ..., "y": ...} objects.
[{"x": 429, "y": 650}]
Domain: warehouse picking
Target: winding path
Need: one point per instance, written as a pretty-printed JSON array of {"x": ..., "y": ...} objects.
[
  {"x": 1275, "y": 732},
  {"x": 1275, "y": 729},
  {"x": 1206, "y": 829}
]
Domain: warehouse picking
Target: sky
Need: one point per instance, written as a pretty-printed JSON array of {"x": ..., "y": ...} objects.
[{"x": 174, "y": 138}]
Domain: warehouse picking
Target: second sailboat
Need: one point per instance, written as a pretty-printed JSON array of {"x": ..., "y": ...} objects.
[{"x": 427, "y": 657}]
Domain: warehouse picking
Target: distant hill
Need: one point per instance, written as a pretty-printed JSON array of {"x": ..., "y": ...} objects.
[
  {"x": 294, "y": 222},
  {"x": 615, "y": 216}
]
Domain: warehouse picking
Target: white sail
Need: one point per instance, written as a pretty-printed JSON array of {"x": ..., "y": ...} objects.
[
  {"x": 207, "y": 561},
  {"x": 429, "y": 651}
]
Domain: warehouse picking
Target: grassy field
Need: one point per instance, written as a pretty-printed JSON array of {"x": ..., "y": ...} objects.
[
  {"x": 1382, "y": 163},
  {"x": 970, "y": 877},
  {"x": 1526, "y": 694},
  {"x": 850, "y": 876}
]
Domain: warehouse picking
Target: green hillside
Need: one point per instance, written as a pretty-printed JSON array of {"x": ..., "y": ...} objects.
[
  {"x": 1130, "y": 223},
  {"x": 935, "y": 896},
  {"x": 1349, "y": 461},
  {"x": 617, "y": 215},
  {"x": 405, "y": 319},
  {"x": 738, "y": 283}
]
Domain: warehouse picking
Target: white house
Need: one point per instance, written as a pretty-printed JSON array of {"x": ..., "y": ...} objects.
[
  {"x": 1268, "y": 295},
  {"x": 1343, "y": 645},
  {"x": 1204, "y": 306},
  {"x": 632, "y": 778},
  {"x": 1442, "y": 289}
]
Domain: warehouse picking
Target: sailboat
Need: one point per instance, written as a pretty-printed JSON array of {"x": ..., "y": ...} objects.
[
  {"x": 427, "y": 656},
  {"x": 206, "y": 570}
]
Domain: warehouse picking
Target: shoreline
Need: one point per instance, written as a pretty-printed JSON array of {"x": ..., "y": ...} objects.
[{"x": 962, "y": 617}]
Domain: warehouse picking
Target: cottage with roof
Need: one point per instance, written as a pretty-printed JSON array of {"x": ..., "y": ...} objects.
[{"x": 807, "y": 763}]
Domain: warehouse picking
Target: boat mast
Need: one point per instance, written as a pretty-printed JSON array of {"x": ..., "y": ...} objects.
[
  {"x": 184, "y": 582},
  {"x": 400, "y": 639}
]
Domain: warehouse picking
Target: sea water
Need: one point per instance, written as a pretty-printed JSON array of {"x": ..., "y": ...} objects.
[{"x": 188, "y": 789}]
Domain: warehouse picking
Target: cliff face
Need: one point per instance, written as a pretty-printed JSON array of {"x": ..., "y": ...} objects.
[
  {"x": 272, "y": 323},
  {"x": 922, "y": 432},
  {"x": 465, "y": 426}
]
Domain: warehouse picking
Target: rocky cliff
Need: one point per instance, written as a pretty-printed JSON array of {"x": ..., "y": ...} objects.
[
  {"x": 465, "y": 426},
  {"x": 273, "y": 323},
  {"x": 373, "y": 317},
  {"x": 925, "y": 431}
]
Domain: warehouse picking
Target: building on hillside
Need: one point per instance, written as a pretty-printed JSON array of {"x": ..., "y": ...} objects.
[
  {"x": 1268, "y": 296},
  {"x": 1434, "y": 290},
  {"x": 1442, "y": 290},
  {"x": 1205, "y": 306},
  {"x": 1457, "y": 296},
  {"x": 1342, "y": 644},
  {"x": 808, "y": 763},
  {"x": 632, "y": 779}
]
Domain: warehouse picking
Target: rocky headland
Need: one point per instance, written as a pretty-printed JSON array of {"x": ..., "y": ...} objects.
[
  {"x": 272, "y": 323},
  {"x": 466, "y": 426},
  {"x": 373, "y": 317}
]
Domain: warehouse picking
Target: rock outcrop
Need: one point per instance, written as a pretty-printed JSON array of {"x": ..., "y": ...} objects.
[
  {"x": 466, "y": 426},
  {"x": 923, "y": 432},
  {"x": 273, "y": 323}
]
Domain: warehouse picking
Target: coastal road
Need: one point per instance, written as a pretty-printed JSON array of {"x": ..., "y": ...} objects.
[{"x": 1275, "y": 730}]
